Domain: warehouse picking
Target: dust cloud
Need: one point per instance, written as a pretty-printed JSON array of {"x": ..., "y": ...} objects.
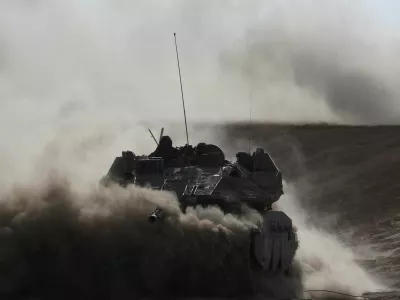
[
  {"x": 80, "y": 81},
  {"x": 319, "y": 61},
  {"x": 63, "y": 242},
  {"x": 326, "y": 262},
  {"x": 77, "y": 79}
]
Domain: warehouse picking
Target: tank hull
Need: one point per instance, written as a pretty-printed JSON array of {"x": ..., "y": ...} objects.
[{"x": 185, "y": 262}]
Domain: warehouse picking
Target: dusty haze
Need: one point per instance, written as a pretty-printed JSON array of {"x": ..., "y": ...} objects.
[
  {"x": 80, "y": 81},
  {"x": 76, "y": 77}
]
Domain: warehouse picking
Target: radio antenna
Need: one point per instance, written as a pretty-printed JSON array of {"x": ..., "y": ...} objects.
[
  {"x": 180, "y": 80},
  {"x": 250, "y": 122}
]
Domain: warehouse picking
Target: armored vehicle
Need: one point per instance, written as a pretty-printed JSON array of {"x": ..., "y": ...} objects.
[
  {"x": 201, "y": 176},
  {"x": 257, "y": 261}
]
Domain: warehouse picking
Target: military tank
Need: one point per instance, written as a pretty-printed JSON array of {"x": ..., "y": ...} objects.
[
  {"x": 257, "y": 261},
  {"x": 202, "y": 176}
]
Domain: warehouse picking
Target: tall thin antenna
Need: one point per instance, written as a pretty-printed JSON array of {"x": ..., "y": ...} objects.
[
  {"x": 250, "y": 135},
  {"x": 180, "y": 79}
]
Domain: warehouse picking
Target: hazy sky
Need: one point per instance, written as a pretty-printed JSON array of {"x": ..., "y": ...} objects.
[
  {"x": 118, "y": 56},
  {"x": 387, "y": 11},
  {"x": 77, "y": 76}
]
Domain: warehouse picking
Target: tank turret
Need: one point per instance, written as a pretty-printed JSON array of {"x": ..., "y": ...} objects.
[{"x": 201, "y": 176}]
